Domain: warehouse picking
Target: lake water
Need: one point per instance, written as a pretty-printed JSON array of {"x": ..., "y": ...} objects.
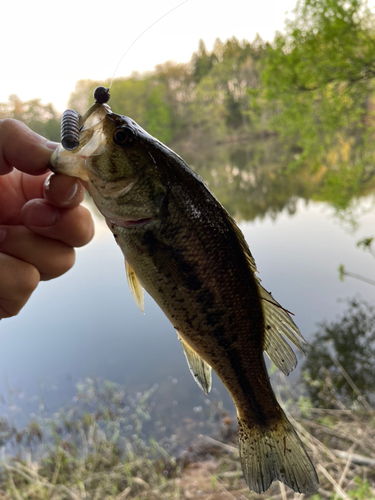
[{"x": 86, "y": 323}]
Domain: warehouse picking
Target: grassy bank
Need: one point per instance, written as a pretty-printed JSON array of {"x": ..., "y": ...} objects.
[{"x": 101, "y": 448}]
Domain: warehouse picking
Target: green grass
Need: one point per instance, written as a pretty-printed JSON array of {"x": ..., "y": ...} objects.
[{"x": 98, "y": 450}]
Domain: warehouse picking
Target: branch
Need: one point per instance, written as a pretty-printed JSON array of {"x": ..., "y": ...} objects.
[{"x": 343, "y": 273}]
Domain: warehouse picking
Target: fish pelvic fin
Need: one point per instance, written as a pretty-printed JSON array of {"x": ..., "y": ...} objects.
[
  {"x": 200, "y": 370},
  {"x": 272, "y": 453},
  {"x": 135, "y": 287}
]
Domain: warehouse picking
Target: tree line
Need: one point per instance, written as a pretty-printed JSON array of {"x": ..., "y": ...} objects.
[
  {"x": 312, "y": 87},
  {"x": 207, "y": 100}
]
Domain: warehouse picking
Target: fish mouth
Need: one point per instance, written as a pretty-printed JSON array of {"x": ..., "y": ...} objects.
[
  {"x": 137, "y": 223},
  {"x": 129, "y": 223}
]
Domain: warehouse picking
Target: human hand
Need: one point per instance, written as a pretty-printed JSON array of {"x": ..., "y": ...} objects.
[{"x": 41, "y": 219}]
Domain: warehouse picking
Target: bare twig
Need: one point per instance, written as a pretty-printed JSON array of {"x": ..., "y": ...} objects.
[
  {"x": 337, "y": 488},
  {"x": 355, "y": 458},
  {"x": 218, "y": 444},
  {"x": 343, "y": 475},
  {"x": 350, "y": 381},
  {"x": 282, "y": 491},
  {"x": 358, "y": 277}
]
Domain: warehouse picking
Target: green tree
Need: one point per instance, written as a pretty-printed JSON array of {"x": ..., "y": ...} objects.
[
  {"x": 201, "y": 102},
  {"x": 319, "y": 74},
  {"x": 141, "y": 97},
  {"x": 158, "y": 117},
  {"x": 202, "y": 62},
  {"x": 319, "y": 81},
  {"x": 207, "y": 112},
  {"x": 313, "y": 87}
]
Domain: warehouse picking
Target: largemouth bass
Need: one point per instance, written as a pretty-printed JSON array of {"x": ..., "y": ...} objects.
[{"x": 187, "y": 252}]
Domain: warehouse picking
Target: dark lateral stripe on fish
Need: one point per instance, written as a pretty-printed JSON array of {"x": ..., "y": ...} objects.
[
  {"x": 113, "y": 167},
  {"x": 113, "y": 174},
  {"x": 259, "y": 416},
  {"x": 206, "y": 298},
  {"x": 172, "y": 259},
  {"x": 150, "y": 242}
]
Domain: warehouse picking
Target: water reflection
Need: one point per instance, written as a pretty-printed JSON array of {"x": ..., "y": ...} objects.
[
  {"x": 340, "y": 365},
  {"x": 253, "y": 180},
  {"x": 86, "y": 323}
]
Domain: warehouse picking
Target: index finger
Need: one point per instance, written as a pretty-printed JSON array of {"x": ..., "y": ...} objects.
[{"x": 23, "y": 149}]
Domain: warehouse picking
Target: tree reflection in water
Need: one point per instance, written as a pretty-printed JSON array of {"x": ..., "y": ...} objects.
[{"x": 339, "y": 368}]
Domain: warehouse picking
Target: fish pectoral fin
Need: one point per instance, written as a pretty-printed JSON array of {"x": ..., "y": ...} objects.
[
  {"x": 278, "y": 324},
  {"x": 200, "y": 370},
  {"x": 135, "y": 287}
]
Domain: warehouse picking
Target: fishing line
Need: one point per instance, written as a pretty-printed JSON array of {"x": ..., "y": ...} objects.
[
  {"x": 70, "y": 122},
  {"x": 139, "y": 36}
]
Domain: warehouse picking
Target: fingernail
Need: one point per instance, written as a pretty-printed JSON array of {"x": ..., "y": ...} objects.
[
  {"x": 71, "y": 191},
  {"x": 42, "y": 215},
  {"x": 3, "y": 233},
  {"x": 47, "y": 182},
  {"x": 51, "y": 145}
]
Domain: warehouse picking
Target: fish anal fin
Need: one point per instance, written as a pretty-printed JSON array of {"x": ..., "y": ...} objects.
[
  {"x": 200, "y": 370},
  {"x": 135, "y": 287}
]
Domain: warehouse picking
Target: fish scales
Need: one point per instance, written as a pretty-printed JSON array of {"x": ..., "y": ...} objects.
[
  {"x": 201, "y": 274},
  {"x": 185, "y": 250}
]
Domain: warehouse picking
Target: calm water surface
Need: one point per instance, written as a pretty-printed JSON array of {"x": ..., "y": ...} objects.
[{"x": 86, "y": 323}]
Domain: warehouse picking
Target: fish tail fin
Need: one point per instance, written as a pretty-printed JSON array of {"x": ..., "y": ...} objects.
[{"x": 272, "y": 453}]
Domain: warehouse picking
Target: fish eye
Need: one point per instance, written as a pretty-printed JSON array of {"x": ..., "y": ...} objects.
[{"x": 123, "y": 136}]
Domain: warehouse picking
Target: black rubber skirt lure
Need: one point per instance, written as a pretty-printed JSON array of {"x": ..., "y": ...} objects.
[
  {"x": 71, "y": 120},
  {"x": 70, "y": 129}
]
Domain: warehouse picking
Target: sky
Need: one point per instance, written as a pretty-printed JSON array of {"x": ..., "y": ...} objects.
[{"x": 48, "y": 46}]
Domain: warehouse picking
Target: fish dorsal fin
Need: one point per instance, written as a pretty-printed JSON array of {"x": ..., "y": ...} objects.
[
  {"x": 135, "y": 287},
  {"x": 278, "y": 323},
  {"x": 244, "y": 246},
  {"x": 200, "y": 370}
]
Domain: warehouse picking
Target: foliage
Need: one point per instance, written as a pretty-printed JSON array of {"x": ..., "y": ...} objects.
[
  {"x": 313, "y": 87},
  {"x": 202, "y": 62},
  {"x": 204, "y": 99},
  {"x": 42, "y": 118},
  {"x": 366, "y": 245},
  {"x": 252, "y": 180},
  {"x": 87, "y": 451},
  {"x": 95, "y": 449},
  {"x": 362, "y": 491},
  {"x": 158, "y": 116},
  {"x": 319, "y": 81},
  {"x": 348, "y": 342},
  {"x": 320, "y": 72}
]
